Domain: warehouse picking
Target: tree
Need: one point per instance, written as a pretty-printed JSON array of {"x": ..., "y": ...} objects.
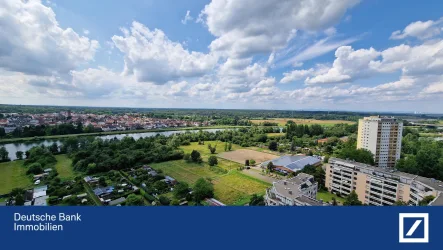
[
  {"x": 257, "y": 200},
  {"x": 4, "y": 154},
  {"x": 426, "y": 200},
  {"x": 35, "y": 168},
  {"x": 352, "y": 200},
  {"x": 334, "y": 202},
  {"x": 195, "y": 156},
  {"x": 229, "y": 146},
  {"x": 17, "y": 194},
  {"x": 164, "y": 201},
  {"x": 181, "y": 190},
  {"x": 358, "y": 155},
  {"x": 270, "y": 166},
  {"x": 202, "y": 189},
  {"x": 400, "y": 203},
  {"x": 212, "y": 160},
  {"x": 246, "y": 162},
  {"x": 213, "y": 149},
  {"x": 19, "y": 155},
  {"x": 226, "y": 146},
  {"x": 102, "y": 181},
  {"x": 54, "y": 148},
  {"x": 2, "y": 132},
  {"x": 273, "y": 146},
  {"x": 252, "y": 162},
  {"x": 134, "y": 200}
]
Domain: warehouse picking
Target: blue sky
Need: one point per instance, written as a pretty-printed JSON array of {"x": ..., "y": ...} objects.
[{"x": 274, "y": 54}]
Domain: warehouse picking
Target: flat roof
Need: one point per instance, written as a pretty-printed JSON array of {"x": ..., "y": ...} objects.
[
  {"x": 436, "y": 184},
  {"x": 293, "y": 162},
  {"x": 293, "y": 185}
]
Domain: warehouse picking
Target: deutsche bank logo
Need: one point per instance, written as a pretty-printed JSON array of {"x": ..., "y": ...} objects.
[{"x": 414, "y": 228}]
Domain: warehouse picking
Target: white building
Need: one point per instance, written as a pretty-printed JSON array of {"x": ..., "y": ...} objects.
[
  {"x": 382, "y": 136},
  {"x": 297, "y": 191}
]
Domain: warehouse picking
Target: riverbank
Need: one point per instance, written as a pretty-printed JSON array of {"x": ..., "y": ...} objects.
[{"x": 54, "y": 137}]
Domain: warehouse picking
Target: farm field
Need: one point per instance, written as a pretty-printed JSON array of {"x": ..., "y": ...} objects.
[
  {"x": 283, "y": 121},
  {"x": 64, "y": 166},
  {"x": 241, "y": 155},
  {"x": 13, "y": 175},
  {"x": 233, "y": 188}
]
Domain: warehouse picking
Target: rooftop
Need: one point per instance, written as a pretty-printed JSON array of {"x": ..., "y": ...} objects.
[
  {"x": 433, "y": 183},
  {"x": 117, "y": 201},
  {"x": 293, "y": 162},
  {"x": 291, "y": 188}
]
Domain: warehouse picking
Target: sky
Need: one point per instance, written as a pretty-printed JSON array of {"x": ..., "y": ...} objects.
[{"x": 353, "y": 55}]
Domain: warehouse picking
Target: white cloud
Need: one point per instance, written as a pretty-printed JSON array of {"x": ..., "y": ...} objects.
[
  {"x": 296, "y": 75},
  {"x": 420, "y": 30},
  {"x": 85, "y": 31},
  {"x": 32, "y": 41},
  {"x": 244, "y": 28},
  {"x": 187, "y": 17},
  {"x": 317, "y": 49},
  {"x": 435, "y": 88},
  {"x": 152, "y": 57},
  {"x": 349, "y": 63}
]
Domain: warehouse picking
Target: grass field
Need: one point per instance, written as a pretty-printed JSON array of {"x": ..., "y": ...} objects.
[
  {"x": 13, "y": 175},
  {"x": 241, "y": 155},
  {"x": 233, "y": 188},
  {"x": 431, "y": 135},
  {"x": 275, "y": 134},
  {"x": 64, "y": 166},
  {"x": 327, "y": 197},
  {"x": 283, "y": 121}
]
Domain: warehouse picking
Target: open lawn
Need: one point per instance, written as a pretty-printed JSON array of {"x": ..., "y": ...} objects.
[
  {"x": 241, "y": 155},
  {"x": 233, "y": 188},
  {"x": 184, "y": 171},
  {"x": 64, "y": 166},
  {"x": 283, "y": 121},
  {"x": 204, "y": 150},
  {"x": 431, "y": 134},
  {"x": 327, "y": 197},
  {"x": 13, "y": 175},
  {"x": 275, "y": 134}
]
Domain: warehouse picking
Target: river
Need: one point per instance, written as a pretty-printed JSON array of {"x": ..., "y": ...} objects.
[{"x": 25, "y": 146}]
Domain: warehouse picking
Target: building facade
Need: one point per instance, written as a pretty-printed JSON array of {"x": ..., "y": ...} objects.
[
  {"x": 300, "y": 190},
  {"x": 382, "y": 136},
  {"x": 379, "y": 186}
]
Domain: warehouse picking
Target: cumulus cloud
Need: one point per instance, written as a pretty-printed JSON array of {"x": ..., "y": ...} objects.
[
  {"x": 152, "y": 57},
  {"x": 32, "y": 41},
  {"x": 187, "y": 17},
  {"x": 349, "y": 63},
  {"x": 244, "y": 28},
  {"x": 420, "y": 30}
]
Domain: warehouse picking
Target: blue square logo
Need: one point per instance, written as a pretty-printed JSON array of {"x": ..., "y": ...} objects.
[{"x": 414, "y": 228}]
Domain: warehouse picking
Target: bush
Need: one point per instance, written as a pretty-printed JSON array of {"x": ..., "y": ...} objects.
[
  {"x": 273, "y": 146},
  {"x": 164, "y": 201},
  {"x": 212, "y": 160},
  {"x": 196, "y": 157}
]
